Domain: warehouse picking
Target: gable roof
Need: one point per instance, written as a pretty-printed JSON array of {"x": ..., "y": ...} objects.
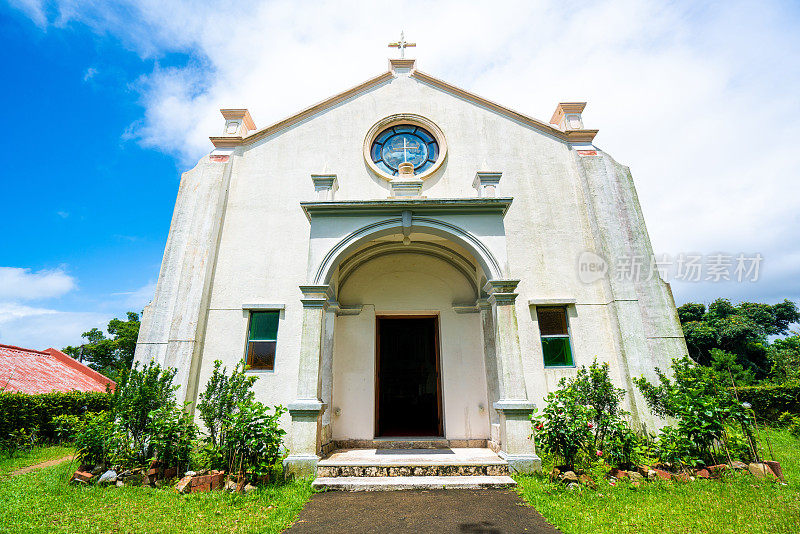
[
  {"x": 36, "y": 371},
  {"x": 571, "y": 136}
]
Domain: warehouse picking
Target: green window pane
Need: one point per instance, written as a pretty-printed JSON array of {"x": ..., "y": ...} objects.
[
  {"x": 556, "y": 351},
  {"x": 264, "y": 326}
]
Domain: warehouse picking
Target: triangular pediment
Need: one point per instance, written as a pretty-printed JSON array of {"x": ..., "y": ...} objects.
[{"x": 399, "y": 68}]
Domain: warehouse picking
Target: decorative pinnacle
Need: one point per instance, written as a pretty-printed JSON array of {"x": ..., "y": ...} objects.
[{"x": 402, "y": 44}]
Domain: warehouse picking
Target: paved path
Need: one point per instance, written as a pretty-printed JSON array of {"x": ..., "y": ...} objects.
[
  {"x": 48, "y": 463},
  {"x": 469, "y": 511}
]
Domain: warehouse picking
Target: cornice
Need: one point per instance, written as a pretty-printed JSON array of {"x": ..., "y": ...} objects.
[
  {"x": 302, "y": 115},
  {"x": 417, "y": 206},
  {"x": 571, "y": 136}
]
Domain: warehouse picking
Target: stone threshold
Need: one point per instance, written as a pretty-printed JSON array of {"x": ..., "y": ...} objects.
[
  {"x": 410, "y": 443},
  {"x": 412, "y": 462},
  {"x": 412, "y": 482}
]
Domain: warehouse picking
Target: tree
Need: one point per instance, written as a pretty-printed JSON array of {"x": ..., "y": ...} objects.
[
  {"x": 742, "y": 330},
  {"x": 784, "y": 355},
  {"x": 113, "y": 355}
]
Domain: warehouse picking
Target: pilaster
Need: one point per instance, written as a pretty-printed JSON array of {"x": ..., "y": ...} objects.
[
  {"x": 307, "y": 409},
  {"x": 513, "y": 406}
]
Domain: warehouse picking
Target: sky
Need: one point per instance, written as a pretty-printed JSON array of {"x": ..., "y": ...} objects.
[{"x": 700, "y": 99}]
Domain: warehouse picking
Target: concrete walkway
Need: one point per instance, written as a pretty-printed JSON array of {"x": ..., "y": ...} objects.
[
  {"x": 468, "y": 511},
  {"x": 34, "y": 467}
]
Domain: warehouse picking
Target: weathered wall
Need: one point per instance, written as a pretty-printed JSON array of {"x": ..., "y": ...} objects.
[{"x": 563, "y": 205}]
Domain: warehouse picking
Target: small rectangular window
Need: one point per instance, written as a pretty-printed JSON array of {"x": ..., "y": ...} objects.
[
  {"x": 555, "y": 336},
  {"x": 262, "y": 339}
]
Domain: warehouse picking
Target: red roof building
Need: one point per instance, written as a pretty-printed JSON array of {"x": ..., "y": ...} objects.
[{"x": 36, "y": 371}]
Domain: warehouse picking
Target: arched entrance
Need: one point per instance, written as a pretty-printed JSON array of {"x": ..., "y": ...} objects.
[
  {"x": 410, "y": 363},
  {"x": 385, "y": 260}
]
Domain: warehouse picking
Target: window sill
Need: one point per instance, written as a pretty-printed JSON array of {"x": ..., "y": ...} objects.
[{"x": 259, "y": 371}]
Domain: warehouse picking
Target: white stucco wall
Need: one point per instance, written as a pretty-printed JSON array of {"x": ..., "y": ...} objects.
[{"x": 562, "y": 206}]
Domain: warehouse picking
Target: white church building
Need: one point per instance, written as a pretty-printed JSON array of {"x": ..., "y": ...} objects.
[{"x": 408, "y": 264}]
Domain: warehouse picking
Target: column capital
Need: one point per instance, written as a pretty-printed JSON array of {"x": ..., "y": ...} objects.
[
  {"x": 501, "y": 291},
  {"x": 514, "y": 405},
  {"x": 302, "y": 407},
  {"x": 484, "y": 304},
  {"x": 316, "y": 296}
]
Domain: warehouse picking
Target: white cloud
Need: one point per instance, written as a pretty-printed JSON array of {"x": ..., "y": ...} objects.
[
  {"x": 698, "y": 98},
  {"x": 137, "y": 299},
  {"x": 18, "y": 283},
  {"x": 40, "y": 328},
  {"x": 89, "y": 74}
]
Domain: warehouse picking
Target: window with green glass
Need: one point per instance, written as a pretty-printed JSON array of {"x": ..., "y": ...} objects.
[
  {"x": 262, "y": 339},
  {"x": 554, "y": 329}
]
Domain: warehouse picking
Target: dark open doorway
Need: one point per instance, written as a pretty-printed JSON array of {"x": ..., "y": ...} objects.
[{"x": 408, "y": 390}]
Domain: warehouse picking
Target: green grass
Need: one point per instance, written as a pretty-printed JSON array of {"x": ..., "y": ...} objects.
[
  {"x": 42, "y": 501},
  {"x": 739, "y": 503},
  {"x": 34, "y": 456}
]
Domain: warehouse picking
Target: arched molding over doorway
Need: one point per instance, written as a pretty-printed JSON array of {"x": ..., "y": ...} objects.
[
  {"x": 404, "y": 225},
  {"x": 461, "y": 264}
]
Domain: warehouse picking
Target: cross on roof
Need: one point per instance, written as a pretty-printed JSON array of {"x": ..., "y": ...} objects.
[{"x": 402, "y": 44}]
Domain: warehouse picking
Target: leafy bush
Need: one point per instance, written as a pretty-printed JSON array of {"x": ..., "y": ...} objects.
[
  {"x": 221, "y": 397},
  {"x": 769, "y": 401},
  {"x": 252, "y": 438},
  {"x": 564, "y": 428},
  {"x": 704, "y": 408},
  {"x": 21, "y": 411},
  {"x": 242, "y": 435},
  {"x": 172, "y": 436},
  {"x": 140, "y": 392},
  {"x": 584, "y": 416},
  {"x": 94, "y": 438},
  {"x": 67, "y": 426}
]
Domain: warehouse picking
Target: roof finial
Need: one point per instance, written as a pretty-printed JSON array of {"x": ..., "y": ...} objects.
[{"x": 402, "y": 44}]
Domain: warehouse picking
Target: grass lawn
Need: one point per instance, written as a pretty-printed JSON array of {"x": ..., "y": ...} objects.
[
  {"x": 42, "y": 501},
  {"x": 33, "y": 456},
  {"x": 740, "y": 503}
]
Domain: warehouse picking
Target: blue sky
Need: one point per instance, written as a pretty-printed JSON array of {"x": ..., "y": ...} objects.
[{"x": 106, "y": 103}]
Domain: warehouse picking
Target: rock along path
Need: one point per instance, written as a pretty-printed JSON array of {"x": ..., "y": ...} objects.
[
  {"x": 490, "y": 511},
  {"x": 48, "y": 463}
]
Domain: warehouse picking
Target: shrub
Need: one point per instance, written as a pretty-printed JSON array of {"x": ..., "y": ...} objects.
[
  {"x": 704, "y": 408},
  {"x": 222, "y": 396},
  {"x": 94, "y": 438},
  {"x": 564, "y": 428},
  {"x": 585, "y": 416},
  {"x": 769, "y": 401},
  {"x": 67, "y": 426},
  {"x": 139, "y": 393},
  {"x": 242, "y": 435},
  {"x": 252, "y": 438},
  {"x": 22, "y": 411},
  {"x": 172, "y": 436}
]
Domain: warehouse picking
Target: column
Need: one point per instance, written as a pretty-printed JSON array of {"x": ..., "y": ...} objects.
[
  {"x": 513, "y": 407},
  {"x": 306, "y": 410},
  {"x": 490, "y": 361}
]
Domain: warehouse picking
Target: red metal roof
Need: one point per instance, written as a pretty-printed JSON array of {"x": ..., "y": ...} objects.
[{"x": 36, "y": 371}]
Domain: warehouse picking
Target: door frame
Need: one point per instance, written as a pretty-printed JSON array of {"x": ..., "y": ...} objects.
[{"x": 437, "y": 351}]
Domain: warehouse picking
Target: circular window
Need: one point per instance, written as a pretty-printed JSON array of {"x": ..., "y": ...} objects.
[
  {"x": 404, "y": 143},
  {"x": 404, "y": 138}
]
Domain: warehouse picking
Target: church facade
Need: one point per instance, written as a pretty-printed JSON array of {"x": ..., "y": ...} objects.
[{"x": 407, "y": 260}]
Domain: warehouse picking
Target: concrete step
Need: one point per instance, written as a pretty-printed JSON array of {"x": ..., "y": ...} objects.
[
  {"x": 376, "y": 483},
  {"x": 412, "y": 463}
]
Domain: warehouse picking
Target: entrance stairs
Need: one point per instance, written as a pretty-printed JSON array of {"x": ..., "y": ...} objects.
[{"x": 412, "y": 468}]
